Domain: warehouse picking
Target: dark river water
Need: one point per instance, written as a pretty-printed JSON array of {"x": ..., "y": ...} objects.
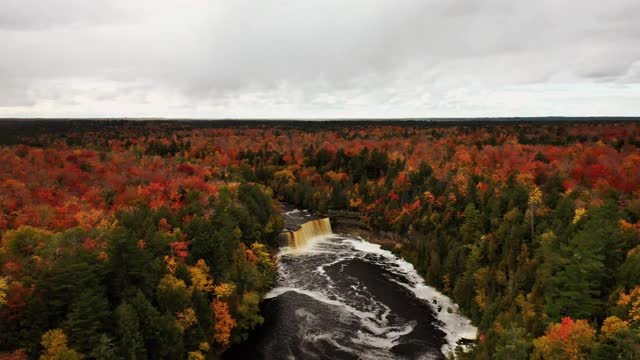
[{"x": 341, "y": 297}]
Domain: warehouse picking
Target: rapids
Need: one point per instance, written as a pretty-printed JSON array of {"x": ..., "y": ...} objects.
[{"x": 338, "y": 296}]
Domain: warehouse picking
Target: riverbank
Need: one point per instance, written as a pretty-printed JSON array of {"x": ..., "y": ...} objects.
[
  {"x": 387, "y": 240},
  {"x": 398, "y": 244},
  {"x": 343, "y": 297}
]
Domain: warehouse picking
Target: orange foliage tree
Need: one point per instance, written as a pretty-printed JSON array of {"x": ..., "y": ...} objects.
[
  {"x": 567, "y": 340},
  {"x": 224, "y": 323}
]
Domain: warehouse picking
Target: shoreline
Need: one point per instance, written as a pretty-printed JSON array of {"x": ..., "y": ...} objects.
[
  {"x": 387, "y": 240},
  {"x": 399, "y": 245}
]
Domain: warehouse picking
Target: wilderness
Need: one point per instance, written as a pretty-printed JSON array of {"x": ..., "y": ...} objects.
[{"x": 161, "y": 239}]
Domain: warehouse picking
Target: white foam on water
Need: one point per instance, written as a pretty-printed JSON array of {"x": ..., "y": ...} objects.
[
  {"x": 455, "y": 325},
  {"x": 331, "y": 339},
  {"x": 373, "y": 348},
  {"x": 339, "y": 259},
  {"x": 367, "y": 319},
  {"x": 387, "y": 341},
  {"x": 428, "y": 357},
  {"x": 378, "y": 334}
]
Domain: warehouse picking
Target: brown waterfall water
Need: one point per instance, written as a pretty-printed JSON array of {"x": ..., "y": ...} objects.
[{"x": 301, "y": 237}]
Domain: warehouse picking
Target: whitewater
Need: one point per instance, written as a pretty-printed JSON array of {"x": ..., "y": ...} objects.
[{"x": 341, "y": 297}]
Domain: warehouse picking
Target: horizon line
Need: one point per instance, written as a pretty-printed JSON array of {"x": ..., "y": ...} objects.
[{"x": 436, "y": 119}]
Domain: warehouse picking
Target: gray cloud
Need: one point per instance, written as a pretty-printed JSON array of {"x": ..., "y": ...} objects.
[
  {"x": 311, "y": 58},
  {"x": 34, "y": 15}
]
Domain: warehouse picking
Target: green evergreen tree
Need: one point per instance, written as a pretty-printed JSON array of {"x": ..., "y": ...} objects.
[
  {"x": 129, "y": 335},
  {"x": 513, "y": 344},
  {"x": 471, "y": 229},
  {"x": 87, "y": 320},
  {"x": 576, "y": 290},
  {"x": 105, "y": 349},
  {"x": 126, "y": 262}
]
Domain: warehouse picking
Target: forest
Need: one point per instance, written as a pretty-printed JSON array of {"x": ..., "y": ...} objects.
[{"x": 135, "y": 240}]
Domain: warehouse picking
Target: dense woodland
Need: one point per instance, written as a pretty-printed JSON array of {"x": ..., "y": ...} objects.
[{"x": 156, "y": 240}]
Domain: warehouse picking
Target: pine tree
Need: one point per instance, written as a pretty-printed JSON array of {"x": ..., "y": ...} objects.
[
  {"x": 513, "y": 344},
  {"x": 105, "y": 350},
  {"x": 88, "y": 318},
  {"x": 579, "y": 286},
  {"x": 471, "y": 229},
  {"x": 159, "y": 332},
  {"x": 129, "y": 335}
]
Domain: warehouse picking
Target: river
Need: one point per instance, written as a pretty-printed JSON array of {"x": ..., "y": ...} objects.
[{"x": 338, "y": 296}]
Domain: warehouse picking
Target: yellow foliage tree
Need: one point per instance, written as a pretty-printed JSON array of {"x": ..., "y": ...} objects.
[
  {"x": 171, "y": 264},
  {"x": 527, "y": 307},
  {"x": 355, "y": 202},
  {"x": 224, "y": 290},
  {"x": 526, "y": 179},
  {"x": 282, "y": 178},
  {"x": 613, "y": 324},
  {"x": 204, "y": 346},
  {"x": 102, "y": 256},
  {"x": 17, "y": 242},
  {"x": 335, "y": 176},
  {"x": 200, "y": 277},
  {"x": 632, "y": 299},
  {"x": 93, "y": 218},
  {"x": 481, "y": 280},
  {"x": 185, "y": 319},
  {"x": 535, "y": 196},
  {"x": 172, "y": 294},
  {"x": 170, "y": 283},
  {"x": 578, "y": 215},
  {"x": 54, "y": 343},
  {"x": 4, "y": 287},
  {"x": 535, "y": 199},
  {"x": 460, "y": 183},
  {"x": 263, "y": 257},
  {"x": 195, "y": 355}
]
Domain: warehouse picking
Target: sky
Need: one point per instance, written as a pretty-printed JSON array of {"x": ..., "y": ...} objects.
[{"x": 319, "y": 58}]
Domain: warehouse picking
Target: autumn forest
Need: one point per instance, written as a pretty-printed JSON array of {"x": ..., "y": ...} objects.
[{"x": 157, "y": 240}]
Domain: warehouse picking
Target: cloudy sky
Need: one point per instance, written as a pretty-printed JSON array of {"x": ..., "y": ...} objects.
[{"x": 319, "y": 58}]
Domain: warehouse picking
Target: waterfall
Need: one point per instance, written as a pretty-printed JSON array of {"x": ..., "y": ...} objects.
[{"x": 310, "y": 229}]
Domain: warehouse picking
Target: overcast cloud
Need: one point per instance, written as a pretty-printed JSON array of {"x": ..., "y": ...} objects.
[{"x": 324, "y": 58}]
